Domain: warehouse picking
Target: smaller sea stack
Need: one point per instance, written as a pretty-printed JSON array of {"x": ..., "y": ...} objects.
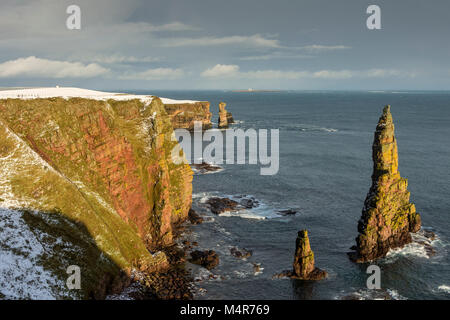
[
  {"x": 303, "y": 268},
  {"x": 225, "y": 117},
  {"x": 304, "y": 260},
  {"x": 388, "y": 217}
]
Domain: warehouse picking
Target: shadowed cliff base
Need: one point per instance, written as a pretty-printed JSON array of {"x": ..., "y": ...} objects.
[
  {"x": 37, "y": 249},
  {"x": 388, "y": 217}
]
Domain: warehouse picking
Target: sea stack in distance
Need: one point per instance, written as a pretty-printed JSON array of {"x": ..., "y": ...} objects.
[
  {"x": 388, "y": 217},
  {"x": 225, "y": 117},
  {"x": 304, "y": 266}
]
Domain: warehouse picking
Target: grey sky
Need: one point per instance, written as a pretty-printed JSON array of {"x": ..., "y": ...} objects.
[{"x": 210, "y": 44}]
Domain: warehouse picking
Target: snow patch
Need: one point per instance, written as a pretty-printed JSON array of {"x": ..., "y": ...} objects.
[
  {"x": 21, "y": 275},
  {"x": 67, "y": 93}
]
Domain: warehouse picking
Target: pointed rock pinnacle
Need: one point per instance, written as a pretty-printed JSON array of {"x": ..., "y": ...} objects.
[{"x": 388, "y": 217}]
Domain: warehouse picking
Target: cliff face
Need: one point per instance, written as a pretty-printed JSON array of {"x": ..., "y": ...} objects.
[
  {"x": 388, "y": 217},
  {"x": 101, "y": 167},
  {"x": 225, "y": 117},
  {"x": 183, "y": 115}
]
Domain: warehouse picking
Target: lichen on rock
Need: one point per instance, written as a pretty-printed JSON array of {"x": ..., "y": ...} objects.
[
  {"x": 183, "y": 115},
  {"x": 388, "y": 217}
]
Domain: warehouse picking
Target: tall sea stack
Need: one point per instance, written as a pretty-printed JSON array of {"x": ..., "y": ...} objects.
[{"x": 388, "y": 217}]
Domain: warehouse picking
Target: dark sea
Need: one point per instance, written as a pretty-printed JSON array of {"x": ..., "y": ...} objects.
[{"x": 325, "y": 173}]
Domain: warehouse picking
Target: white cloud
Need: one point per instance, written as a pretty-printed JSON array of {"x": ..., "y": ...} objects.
[
  {"x": 233, "y": 71},
  {"x": 44, "y": 68},
  {"x": 145, "y": 27},
  {"x": 333, "y": 74},
  {"x": 118, "y": 58},
  {"x": 249, "y": 41},
  {"x": 155, "y": 74},
  {"x": 381, "y": 73},
  {"x": 221, "y": 70},
  {"x": 319, "y": 47},
  {"x": 276, "y": 55}
]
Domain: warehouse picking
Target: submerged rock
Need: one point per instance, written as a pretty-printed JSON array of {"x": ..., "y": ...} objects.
[
  {"x": 208, "y": 259},
  {"x": 240, "y": 254},
  {"x": 288, "y": 212},
  {"x": 388, "y": 217},
  {"x": 194, "y": 218},
  {"x": 249, "y": 203},
  {"x": 304, "y": 265},
  {"x": 225, "y": 117},
  {"x": 221, "y": 205},
  {"x": 204, "y": 167}
]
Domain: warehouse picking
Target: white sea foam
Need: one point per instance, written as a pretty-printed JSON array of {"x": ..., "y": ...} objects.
[
  {"x": 309, "y": 128},
  {"x": 367, "y": 294},
  {"x": 261, "y": 212},
  {"x": 444, "y": 288},
  {"x": 395, "y": 295},
  {"x": 412, "y": 249},
  {"x": 417, "y": 248}
]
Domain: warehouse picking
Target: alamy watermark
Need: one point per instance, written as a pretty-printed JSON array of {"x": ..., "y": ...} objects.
[
  {"x": 73, "y": 282},
  {"x": 373, "y": 22},
  {"x": 373, "y": 281},
  {"x": 73, "y": 22},
  {"x": 231, "y": 151}
]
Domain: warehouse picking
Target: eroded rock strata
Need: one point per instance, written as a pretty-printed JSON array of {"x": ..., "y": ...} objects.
[
  {"x": 97, "y": 174},
  {"x": 388, "y": 217},
  {"x": 225, "y": 117},
  {"x": 183, "y": 115}
]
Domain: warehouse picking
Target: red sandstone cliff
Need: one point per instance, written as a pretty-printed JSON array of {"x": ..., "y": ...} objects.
[{"x": 103, "y": 165}]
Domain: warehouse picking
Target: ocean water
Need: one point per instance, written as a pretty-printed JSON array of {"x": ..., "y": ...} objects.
[{"x": 325, "y": 174}]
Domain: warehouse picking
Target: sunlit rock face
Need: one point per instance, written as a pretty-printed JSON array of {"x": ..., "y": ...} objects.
[
  {"x": 225, "y": 117},
  {"x": 184, "y": 115},
  {"x": 304, "y": 265},
  {"x": 388, "y": 217}
]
